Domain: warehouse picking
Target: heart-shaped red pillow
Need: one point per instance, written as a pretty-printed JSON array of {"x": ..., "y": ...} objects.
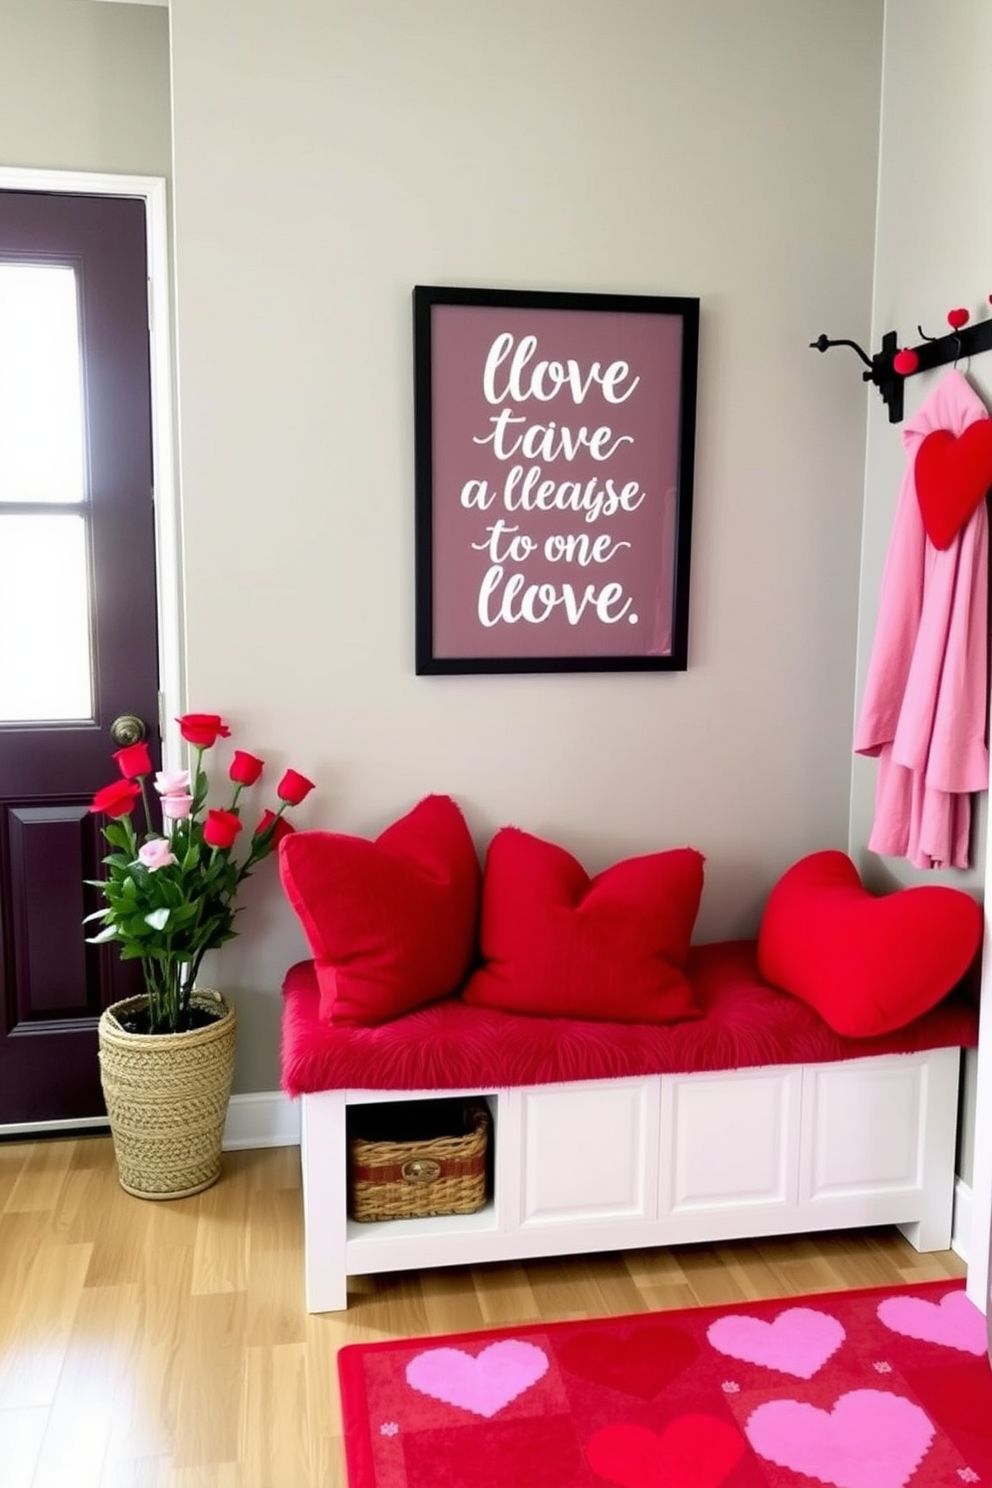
[
  {"x": 953, "y": 476},
  {"x": 391, "y": 923},
  {"x": 558, "y": 943},
  {"x": 867, "y": 964}
]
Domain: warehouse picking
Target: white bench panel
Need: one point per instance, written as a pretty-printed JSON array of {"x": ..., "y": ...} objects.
[
  {"x": 730, "y": 1140},
  {"x": 588, "y": 1152}
]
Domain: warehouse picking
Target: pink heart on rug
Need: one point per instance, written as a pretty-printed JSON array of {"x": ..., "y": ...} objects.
[
  {"x": 798, "y": 1342},
  {"x": 870, "y": 1439},
  {"x": 691, "y": 1452},
  {"x": 953, "y": 1321},
  {"x": 483, "y": 1383}
]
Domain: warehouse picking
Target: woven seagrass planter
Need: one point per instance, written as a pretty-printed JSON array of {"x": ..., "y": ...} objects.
[{"x": 167, "y": 1096}]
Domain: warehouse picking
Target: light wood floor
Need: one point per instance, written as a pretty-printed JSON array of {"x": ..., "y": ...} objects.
[{"x": 165, "y": 1345}]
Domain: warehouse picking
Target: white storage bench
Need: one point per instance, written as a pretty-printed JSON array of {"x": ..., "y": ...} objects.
[{"x": 632, "y": 1160}]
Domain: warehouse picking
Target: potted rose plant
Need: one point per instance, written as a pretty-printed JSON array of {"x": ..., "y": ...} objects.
[{"x": 167, "y": 1057}]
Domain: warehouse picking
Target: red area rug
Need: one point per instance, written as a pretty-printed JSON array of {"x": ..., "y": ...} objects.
[{"x": 885, "y": 1388}]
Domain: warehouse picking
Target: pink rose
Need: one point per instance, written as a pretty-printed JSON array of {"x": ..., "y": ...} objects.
[
  {"x": 176, "y": 806},
  {"x": 156, "y": 854},
  {"x": 117, "y": 799},
  {"x": 293, "y": 787},
  {"x": 172, "y": 782},
  {"x": 221, "y": 828}
]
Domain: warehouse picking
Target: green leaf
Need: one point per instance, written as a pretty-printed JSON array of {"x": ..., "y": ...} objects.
[
  {"x": 183, "y": 914},
  {"x": 135, "y": 927}
]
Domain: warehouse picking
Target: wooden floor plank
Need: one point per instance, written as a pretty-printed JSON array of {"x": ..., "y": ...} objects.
[
  {"x": 22, "y": 1432},
  {"x": 220, "y": 1257},
  {"x": 505, "y": 1295},
  {"x": 276, "y": 1305},
  {"x": 43, "y": 1170},
  {"x": 95, "y": 1391},
  {"x": 275, "y": 1426},
  {"x": 165, "y": 1345},
  {"x": 212, "y": 1367},
  {"x": 41, "y": 1324}
]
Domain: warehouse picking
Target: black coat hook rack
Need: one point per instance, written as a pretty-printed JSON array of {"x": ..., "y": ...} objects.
[{"x": 931, "y": 352}]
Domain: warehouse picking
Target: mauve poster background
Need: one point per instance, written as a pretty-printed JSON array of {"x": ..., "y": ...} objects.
[{"x": 511, "y": 579}]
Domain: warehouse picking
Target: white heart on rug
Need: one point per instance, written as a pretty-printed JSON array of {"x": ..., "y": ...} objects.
[{"x": 482, "y": 1383}]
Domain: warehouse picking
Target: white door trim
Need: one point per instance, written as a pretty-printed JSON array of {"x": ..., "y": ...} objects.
[{"x": 152, "y": 189}]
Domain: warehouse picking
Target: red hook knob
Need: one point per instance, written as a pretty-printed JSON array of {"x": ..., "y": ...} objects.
[
  {"x": 957, "y": 318},
  {"x": 905, "y": 362}
]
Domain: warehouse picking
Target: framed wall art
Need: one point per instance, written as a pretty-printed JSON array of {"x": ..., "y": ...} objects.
[{"x": 554, "y": 437}]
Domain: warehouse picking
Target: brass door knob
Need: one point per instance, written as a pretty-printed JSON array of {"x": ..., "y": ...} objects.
[{"x": 128, "y": 729}]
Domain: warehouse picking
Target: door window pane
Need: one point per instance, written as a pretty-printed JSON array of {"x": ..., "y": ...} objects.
[
  {"x": 41, "y": 394},
  {"x": 45, "y": 668}
]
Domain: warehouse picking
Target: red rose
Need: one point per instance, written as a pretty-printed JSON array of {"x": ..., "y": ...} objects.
[
  {"x": 134, "y": 760},
  {"x": 203, "y": 729},
  {"x": 245, "y": 768},
  {"x": 220, "y": 828},
  {"x": 282, "y": 827},
  {"x": 293, "y": 787},
  {"x": 117, "y": 799}
]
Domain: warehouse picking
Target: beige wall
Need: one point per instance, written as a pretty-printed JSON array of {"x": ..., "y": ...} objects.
[
  {"x": 330, "y": 156},
  {"x": 84, "y": 86},
  {"x": 934, "y": 251}
]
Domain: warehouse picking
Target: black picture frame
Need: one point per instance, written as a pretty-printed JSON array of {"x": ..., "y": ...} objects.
[{"x": 598, "y": 393}]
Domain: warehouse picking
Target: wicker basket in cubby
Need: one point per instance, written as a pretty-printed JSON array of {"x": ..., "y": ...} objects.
[{"x": 413, "y": 1159}]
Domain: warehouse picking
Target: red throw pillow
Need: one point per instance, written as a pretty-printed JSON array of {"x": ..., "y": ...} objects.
[
  {"x": 867, "y": 964},
  {"x": 559, "y": 943},
  {"x": 391, "y": 923}
]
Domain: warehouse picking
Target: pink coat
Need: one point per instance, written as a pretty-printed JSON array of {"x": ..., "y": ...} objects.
[{"x": 925, "y": 704}]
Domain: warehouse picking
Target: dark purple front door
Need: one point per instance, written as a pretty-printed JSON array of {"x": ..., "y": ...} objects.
[{"x": 78, "y": 644}]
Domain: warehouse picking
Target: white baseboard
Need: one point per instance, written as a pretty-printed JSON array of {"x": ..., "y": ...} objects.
[
  {"x": 28, "y": 1129},
  {"x": 265, "y": 1119},
  {"x": 961, "y": 1222}
]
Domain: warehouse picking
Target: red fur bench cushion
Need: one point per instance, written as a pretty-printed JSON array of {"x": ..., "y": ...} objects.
[{"x": 451, "y": 1046}]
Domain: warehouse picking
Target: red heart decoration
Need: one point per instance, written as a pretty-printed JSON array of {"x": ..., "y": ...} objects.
[
  {"x": 866, "y": 964},
  {"x": 691, "y": 1452},
  {"x": 953, "y": 475},
  {"x": 641, "y": 1364}
]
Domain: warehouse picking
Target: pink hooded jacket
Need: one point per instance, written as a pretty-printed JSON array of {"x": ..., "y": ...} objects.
[{"x": 924, "y": 709}]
